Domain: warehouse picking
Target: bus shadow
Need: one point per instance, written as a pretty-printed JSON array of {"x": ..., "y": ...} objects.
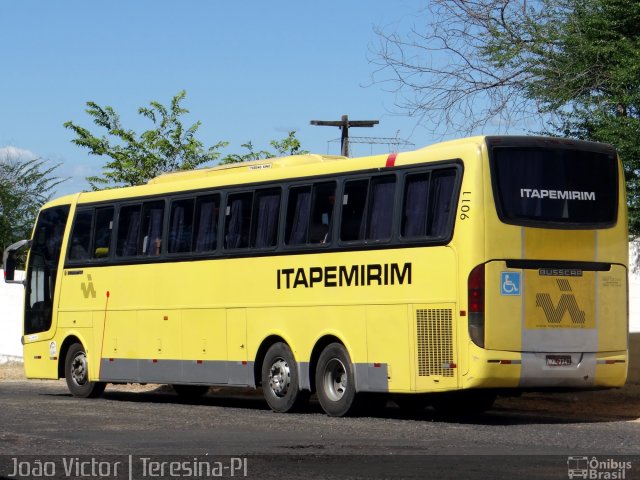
[
  {"x": 621, "y": 405},
  {"x": 248, "y": 401}
]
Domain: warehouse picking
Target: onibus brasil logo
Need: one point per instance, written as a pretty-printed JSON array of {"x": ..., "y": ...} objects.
[{"x": 594, "y": 468}]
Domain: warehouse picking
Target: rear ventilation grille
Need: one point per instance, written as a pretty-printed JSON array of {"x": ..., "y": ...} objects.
[{"x": 435, "y": 342}]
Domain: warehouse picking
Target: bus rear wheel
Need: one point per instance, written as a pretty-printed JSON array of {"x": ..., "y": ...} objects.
[
  {"x": 280, "y": 380},
  {"x": 76, "y": 372},
  {"x": 335, "y": 381}
]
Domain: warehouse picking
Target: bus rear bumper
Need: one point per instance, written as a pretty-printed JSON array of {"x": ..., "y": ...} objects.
[{"x": 532, "y": 370}]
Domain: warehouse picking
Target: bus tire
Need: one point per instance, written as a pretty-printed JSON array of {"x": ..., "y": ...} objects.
[
  {"x": 76, "y": 372},
  {"x": 191, "y": 392},
  {"x": 335, "y": 381},
  {"x": 280, "y": 380}
]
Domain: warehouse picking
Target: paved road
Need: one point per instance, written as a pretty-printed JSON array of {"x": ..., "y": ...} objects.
[{"x": 41, "y": 418}]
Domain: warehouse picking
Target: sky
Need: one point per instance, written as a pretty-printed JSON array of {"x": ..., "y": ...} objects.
[{"x": 252, "y": 70}]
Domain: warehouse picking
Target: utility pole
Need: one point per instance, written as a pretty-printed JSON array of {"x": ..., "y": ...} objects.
[{"x": 344, "y": 124}]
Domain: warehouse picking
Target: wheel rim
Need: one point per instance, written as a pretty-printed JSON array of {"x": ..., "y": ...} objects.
[
  {"x": 335, "y": 379},
  {"x": 279, "y": 377},
  {"x": 79, "y": 371}
]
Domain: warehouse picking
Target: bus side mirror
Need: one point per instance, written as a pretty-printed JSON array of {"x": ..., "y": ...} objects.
[{"x": 9, "y": 260}]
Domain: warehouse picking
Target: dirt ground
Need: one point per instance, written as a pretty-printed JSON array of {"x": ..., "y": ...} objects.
[{"x": 603, "y": 405}]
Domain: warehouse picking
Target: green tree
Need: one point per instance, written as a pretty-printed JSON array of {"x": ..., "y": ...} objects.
[
  {"x": 24, "y": 186},
  {"x": 561, "y": 67},
  {"x": 289, "y": 145},
  {"x": 135, "y": 159},
  {"x": 593, "y": 81}
]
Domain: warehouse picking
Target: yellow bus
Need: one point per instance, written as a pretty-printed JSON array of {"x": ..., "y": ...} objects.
[{"x": 443, "y": 275}]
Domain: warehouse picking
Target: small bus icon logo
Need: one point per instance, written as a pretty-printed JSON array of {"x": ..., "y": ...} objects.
[{"x": 578, "y": 467}]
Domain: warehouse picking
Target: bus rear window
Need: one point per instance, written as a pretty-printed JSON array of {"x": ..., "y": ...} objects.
[{"x": 561, "y": 187}]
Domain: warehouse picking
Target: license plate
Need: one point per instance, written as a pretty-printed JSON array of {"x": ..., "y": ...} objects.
[{"x": 558, "y": 360}]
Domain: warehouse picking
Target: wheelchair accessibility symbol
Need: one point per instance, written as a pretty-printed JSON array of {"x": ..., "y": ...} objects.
[{"x": 510, "y": 283}]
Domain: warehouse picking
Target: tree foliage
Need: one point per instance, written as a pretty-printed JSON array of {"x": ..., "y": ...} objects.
[
  {"x": 290, "y": 145},
  {"x": 470, "y": 63},
  {"x": 598, "y": 64},
  {"x": 24, "y": 186},
  {"x": 572, "y": 66},
  {"x": 135, "y": 159}
]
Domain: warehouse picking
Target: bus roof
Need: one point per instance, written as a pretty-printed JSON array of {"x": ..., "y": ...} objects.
[
  {"x": 271, "y": 169},
  {"x": 263, "y": 164},
  {"x": 262, "y": 170}
]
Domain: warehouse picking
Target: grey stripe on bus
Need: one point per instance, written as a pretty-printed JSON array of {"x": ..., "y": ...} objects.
[
  {"x": 208, "y": 372},
  {"x": 369, "y": 377}
]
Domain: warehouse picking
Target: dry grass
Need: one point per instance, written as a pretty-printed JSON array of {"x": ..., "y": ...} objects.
[{"x": 12, "y": 371}]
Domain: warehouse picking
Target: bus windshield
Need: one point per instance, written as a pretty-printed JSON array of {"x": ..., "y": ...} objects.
[
  {"x": 571, "y": 188},
  {"x": 42, "y": 269}
]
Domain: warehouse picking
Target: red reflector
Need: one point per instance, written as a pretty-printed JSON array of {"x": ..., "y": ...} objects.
[
  {"x": 199, "y": 362},
  {"x": 505, "y": 362},
  {"x": 155, "y": 361},
  {"x": 463, "y": 313},
  {"x": 377, "y": 365},
  {"x": 391, "y": 160},
  {"x": 244, "y": 362},
  {"x": 112, "y": 359}
]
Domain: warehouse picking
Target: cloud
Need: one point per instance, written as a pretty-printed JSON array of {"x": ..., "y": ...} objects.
[{"x": 11, "y": 153}]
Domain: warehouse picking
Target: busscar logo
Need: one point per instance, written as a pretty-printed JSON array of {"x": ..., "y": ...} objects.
[
  {"x": 566, "y": 304},
  {"x": 88, "y": 288}
]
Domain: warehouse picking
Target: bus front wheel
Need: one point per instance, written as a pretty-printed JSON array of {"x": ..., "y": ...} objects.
[
  {"x": 76, "y": 372},
  {"x": 335, "y": 381},
  {"x": 280, "y": 380}
]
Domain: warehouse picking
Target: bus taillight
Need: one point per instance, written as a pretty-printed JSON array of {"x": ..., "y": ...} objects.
[{"x": 476, "y": 305}]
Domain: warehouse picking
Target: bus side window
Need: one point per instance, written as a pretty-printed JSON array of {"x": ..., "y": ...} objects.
[
  {"x": 298, "y": 212},
  {"x": 102, "y": 232},
  {"x": 354, "y": 201},
  {"x": 81, "y": 236},
  {"x": 128, "y": 229},
  {"x": 238, "y": 220},
  {"x": 324, "y": 198},
  {"x": 206, "y": 218},
  {"x": 151, "y": 234},
  {"x": 414, "y": 207},
  {"x": 310, "y": 214},
  {"x": 428, "y": 204},
  {"x": 181, "y": 225},
  {"x": 380, "y": 211},
  {"x": 266, "y": 210},
  {"x": 440, "y": 203}
]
